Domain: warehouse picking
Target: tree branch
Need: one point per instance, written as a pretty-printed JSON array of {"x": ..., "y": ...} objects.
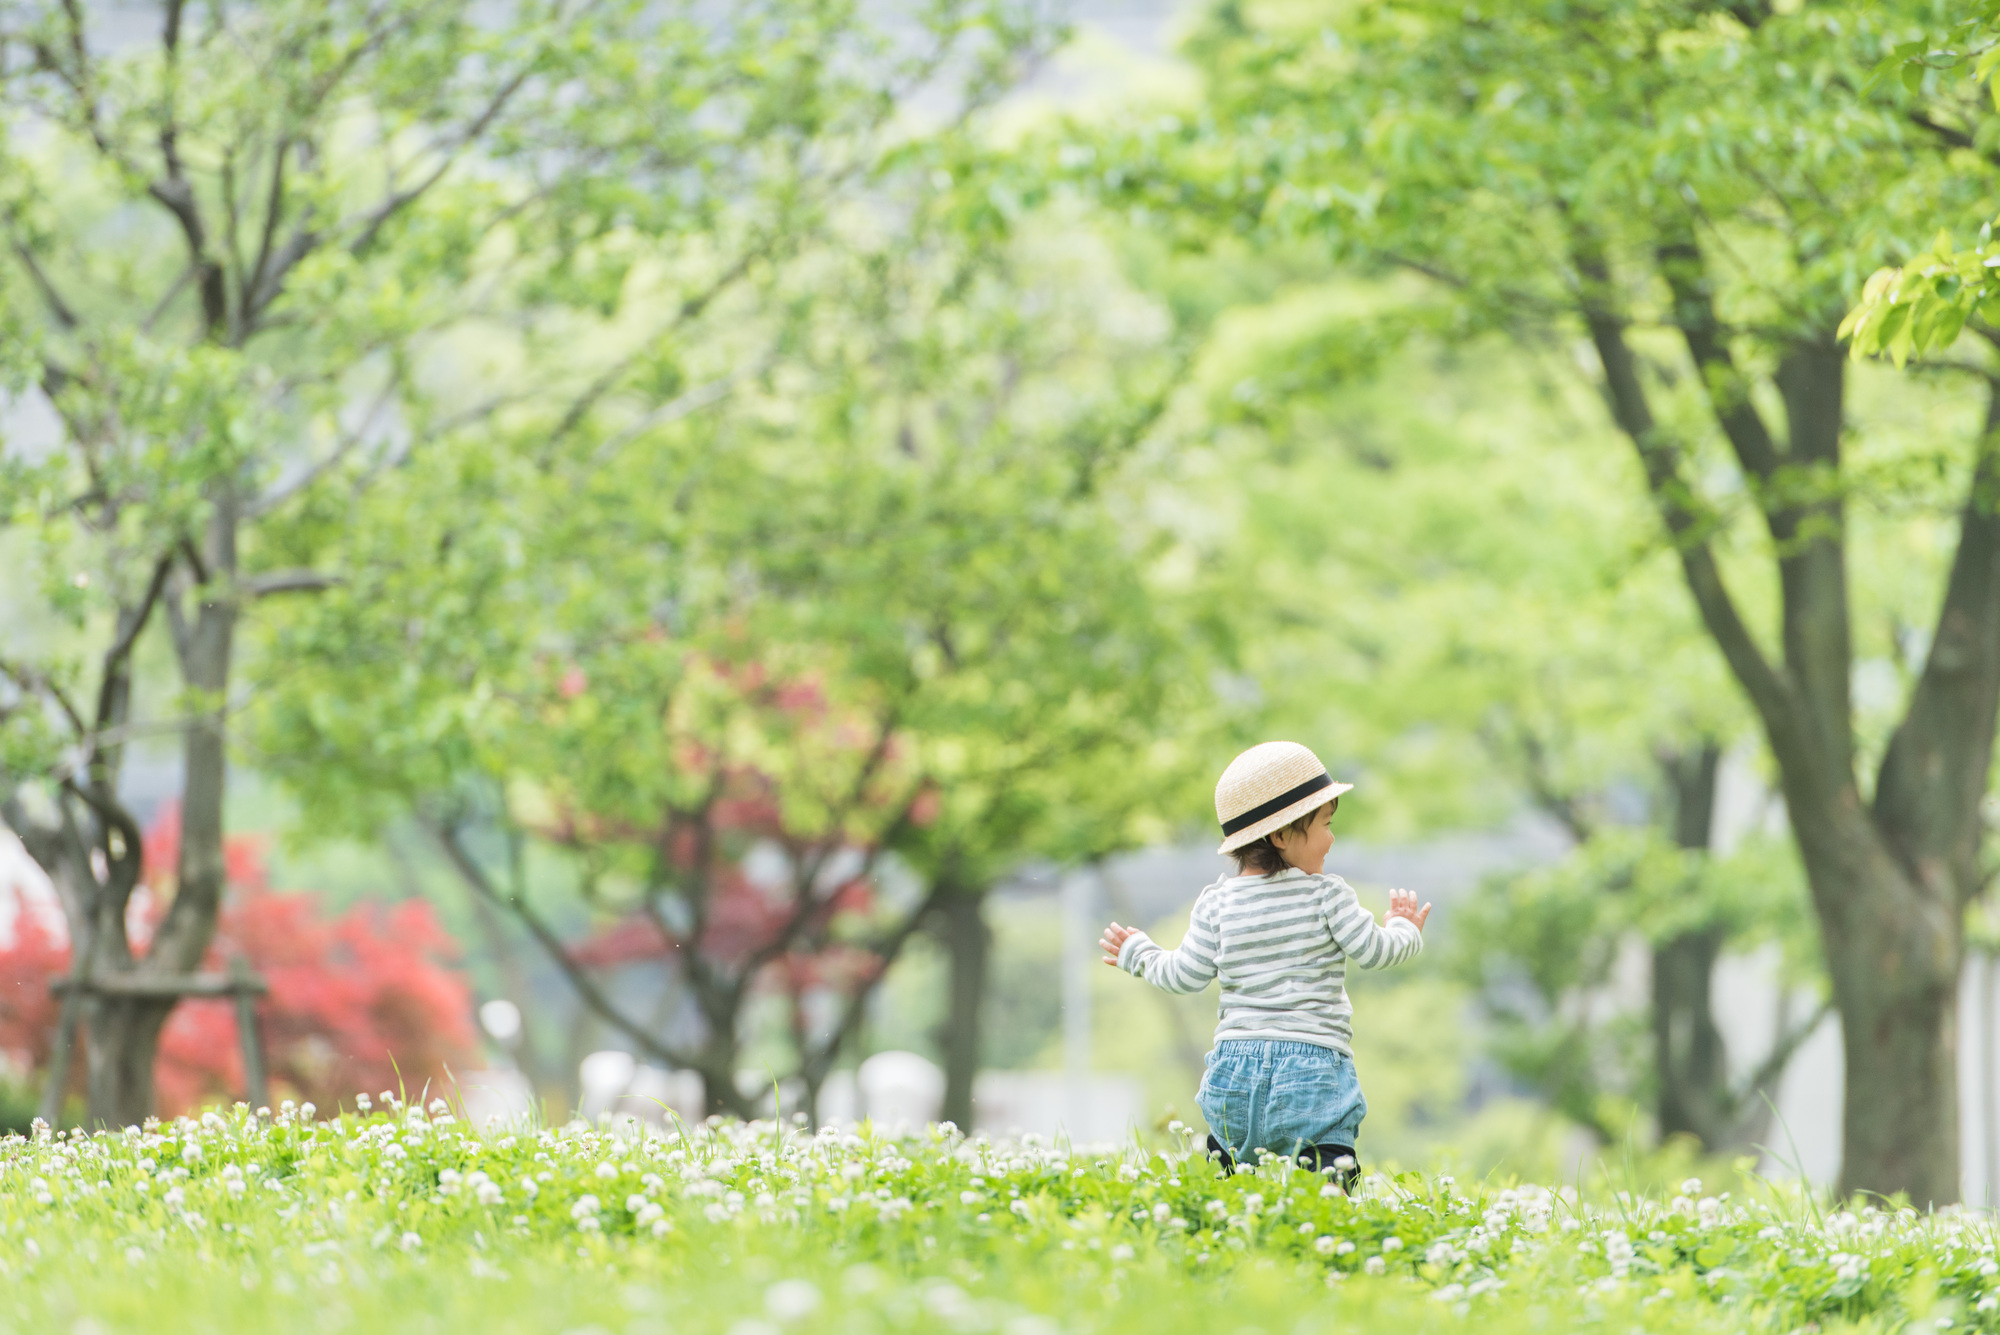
[
  {"x": 1782, "y": 1051},
  {"x": 1934, "y": 772},
  {"x": 348, "y": 443},
  {"x": 60, "y": 310},
  {"x": 1769, "y": 693},
  {"x": 586, "y": 987},
  {"x": 290, "y": 581},
  {"x": 1680, "y": 263},
  {"x": 814, "y": 1064}
]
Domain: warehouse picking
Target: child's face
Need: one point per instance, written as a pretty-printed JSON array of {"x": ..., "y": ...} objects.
[{"x": 1307, "y": 851}]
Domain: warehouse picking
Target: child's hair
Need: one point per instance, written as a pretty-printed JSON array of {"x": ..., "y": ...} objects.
[{"x": 1261, "y": 857}]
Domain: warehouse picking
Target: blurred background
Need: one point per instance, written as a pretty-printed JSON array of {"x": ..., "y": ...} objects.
[{"x": 642, "y": 560}]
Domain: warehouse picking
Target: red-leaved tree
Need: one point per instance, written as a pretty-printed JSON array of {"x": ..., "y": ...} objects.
[
  {"x": 729, "y": 822},
  {"x": 361, "y": 1001}
]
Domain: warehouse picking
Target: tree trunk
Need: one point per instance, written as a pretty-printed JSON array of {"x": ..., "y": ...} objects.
[
  {"x": 1894, "y": 961},
  {"x": 969, "y": 946},
  {"x": 124, "y": 1036},
  {"x": 1889, "y": 885},
  {"x": 1690, "y": 1061},
  {"x": 124, "y": 1040}
]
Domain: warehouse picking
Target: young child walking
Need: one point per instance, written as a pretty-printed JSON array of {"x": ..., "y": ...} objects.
[{"x": 1278, "y": 934}]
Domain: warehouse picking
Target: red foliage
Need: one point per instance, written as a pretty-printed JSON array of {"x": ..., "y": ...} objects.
[
  {"x": 34, "y": 955},
  {"x": 353, "y": 1000}
]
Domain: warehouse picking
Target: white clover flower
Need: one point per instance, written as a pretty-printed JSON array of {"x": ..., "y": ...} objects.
[
  {"x": 1325, "y": 1244},
  {"x": 1375, "y": 1265},
  {"x": 585, "y": 1205},
  {"x": 1343, "y": 1248},
  {"x": 1162, "y": 1212},
  {"x": 791, "y": 1299},
  {"x": 968, "y": 1198},
  {"x": 174, "y": 1198},
  {"x": 409, "y": 1242},
  {"x": 1122, "y": 1252},
  {"x": 1216, "y": 1209},
  {"x": 1392, "y": 1243},
  {"x": 607, "y": 1171}
]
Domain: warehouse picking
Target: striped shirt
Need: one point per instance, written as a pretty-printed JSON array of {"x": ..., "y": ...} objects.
[{"x": 1280, "y": 944}]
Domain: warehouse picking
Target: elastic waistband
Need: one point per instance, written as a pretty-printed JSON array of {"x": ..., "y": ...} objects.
[{"x": 1273, "y": 1047}]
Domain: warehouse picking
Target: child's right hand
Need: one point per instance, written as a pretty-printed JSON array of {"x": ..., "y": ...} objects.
[
  {"x": 1403, "y": 904},
  {"x": 1113, "y": 941}
]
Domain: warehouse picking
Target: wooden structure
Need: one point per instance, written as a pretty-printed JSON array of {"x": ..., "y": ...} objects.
[{"x": 239, "y": 983}]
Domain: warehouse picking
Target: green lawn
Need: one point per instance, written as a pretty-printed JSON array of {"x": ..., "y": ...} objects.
[{"x": 405, "y": 1218}]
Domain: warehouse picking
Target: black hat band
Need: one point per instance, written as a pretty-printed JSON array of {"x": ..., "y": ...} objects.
[{"x": 1277, "y": 804}]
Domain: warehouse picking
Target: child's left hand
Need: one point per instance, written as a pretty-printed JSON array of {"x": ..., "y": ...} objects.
[{"x": 1403, "y": 904}]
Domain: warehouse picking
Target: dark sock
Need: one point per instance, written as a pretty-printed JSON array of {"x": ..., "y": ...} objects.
[{"x": 1220, "y": 1152}]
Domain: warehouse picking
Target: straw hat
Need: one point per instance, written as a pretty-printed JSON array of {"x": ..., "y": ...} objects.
[{"x": 1267, "y": 788}]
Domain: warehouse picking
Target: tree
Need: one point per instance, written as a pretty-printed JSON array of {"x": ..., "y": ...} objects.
[
  {"x": 358, "y": 1002},
  {"x": 1542, "y": 947},
  {"x": 1601, "y": 172},
  {"x": 255, "y": 264},
  {"x": 885, "y": 573}
]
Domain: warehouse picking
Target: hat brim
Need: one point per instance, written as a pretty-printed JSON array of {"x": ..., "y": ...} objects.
[{"x": 1304, "y": 806}]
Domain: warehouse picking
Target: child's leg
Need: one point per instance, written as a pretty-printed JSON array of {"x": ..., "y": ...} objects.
[{"x": 1337, "y": 1161}]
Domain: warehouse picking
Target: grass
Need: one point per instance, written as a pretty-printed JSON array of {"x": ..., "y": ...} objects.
[{"x": 405, "y": 1216}]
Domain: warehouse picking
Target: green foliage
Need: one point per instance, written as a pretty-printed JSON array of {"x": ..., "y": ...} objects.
[
  {"x": 1542, "y": 947},
  {"x": 249, "y": 1222}
]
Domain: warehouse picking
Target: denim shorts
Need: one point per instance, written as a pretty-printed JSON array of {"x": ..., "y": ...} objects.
[{"x": 1279, "y": 1096}]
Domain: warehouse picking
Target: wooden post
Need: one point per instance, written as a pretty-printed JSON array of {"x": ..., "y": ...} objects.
[
  {"x": 239, "y": 983},
  {"x": 71, "y": 1012},
  {"x": 246, "y": 988}
]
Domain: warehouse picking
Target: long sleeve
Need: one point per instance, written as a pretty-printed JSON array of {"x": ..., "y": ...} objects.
[
  {"x": 1189, "y": 967},
  {"x": 1370, "y": 944}
]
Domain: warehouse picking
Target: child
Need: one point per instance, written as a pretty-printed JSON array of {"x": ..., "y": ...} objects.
[{"x": 1279, "y": 934}]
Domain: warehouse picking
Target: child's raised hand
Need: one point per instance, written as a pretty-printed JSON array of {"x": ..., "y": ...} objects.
[
  {"x": 1113, "y": 941},
  {"x": 1403, "y": 904}
]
